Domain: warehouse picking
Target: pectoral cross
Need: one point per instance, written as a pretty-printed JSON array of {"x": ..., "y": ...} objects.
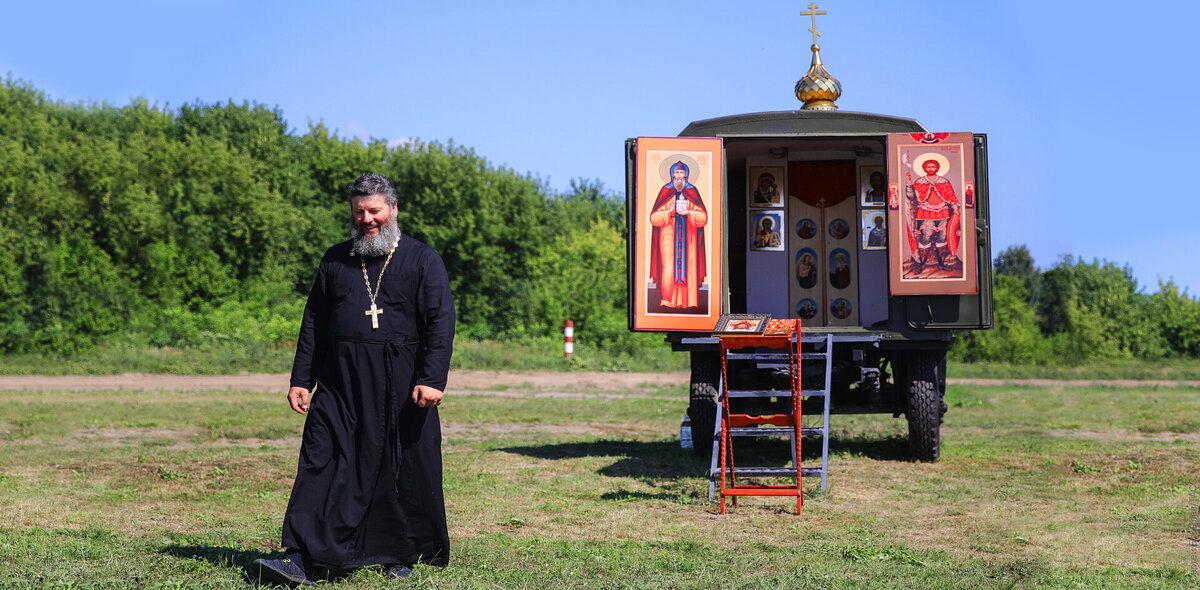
[{"x": 374, "y": 313}]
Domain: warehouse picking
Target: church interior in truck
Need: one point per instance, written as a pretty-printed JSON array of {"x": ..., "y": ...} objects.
[{"x": 826, "y": 199}]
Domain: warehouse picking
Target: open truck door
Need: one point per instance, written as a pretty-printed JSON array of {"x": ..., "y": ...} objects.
[
  {"x": 676, "y": 210},
  {"x": 939, "y": 231}
]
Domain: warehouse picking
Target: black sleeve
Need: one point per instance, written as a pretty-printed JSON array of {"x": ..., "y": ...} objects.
[
  {"x": 435, "y": 321},
  {"x": 313, "y": 329}
]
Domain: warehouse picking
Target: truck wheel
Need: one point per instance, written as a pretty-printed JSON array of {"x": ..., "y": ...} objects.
[
  {"x": 924, "y": 412},
  {"x": 702, "y": 400}
]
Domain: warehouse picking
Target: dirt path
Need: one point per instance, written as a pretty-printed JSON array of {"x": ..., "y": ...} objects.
[{"x": 461, "y": 380}]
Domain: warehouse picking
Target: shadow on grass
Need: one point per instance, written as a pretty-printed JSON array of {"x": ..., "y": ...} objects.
[
  {"x": 665, "y": 460},
  {"x": 888, "y": 448},
  {"x": 776, "y": 452},
  {"x": 241, "y": 560},
  {"x": 653, "y": 460},
  {"x": 628, "y": 496},
  {"x": 218, "y": 556}
]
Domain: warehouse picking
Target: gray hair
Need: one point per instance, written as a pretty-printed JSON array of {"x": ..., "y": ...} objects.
[{"x": 372, "y": 184}]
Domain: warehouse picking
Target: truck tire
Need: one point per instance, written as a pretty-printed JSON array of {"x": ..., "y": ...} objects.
[
  {"x": 924, "y": 407},
  {"x": 702, "y": 400}
]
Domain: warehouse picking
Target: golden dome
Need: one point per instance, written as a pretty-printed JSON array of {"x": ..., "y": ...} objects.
[{"x": 818, "y": 89}]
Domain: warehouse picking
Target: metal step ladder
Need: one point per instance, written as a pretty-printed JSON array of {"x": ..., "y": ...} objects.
[{"x": 798, "y": 359}]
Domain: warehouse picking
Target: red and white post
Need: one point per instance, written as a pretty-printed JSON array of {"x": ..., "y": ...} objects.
[{"x": 569, "y": 339}]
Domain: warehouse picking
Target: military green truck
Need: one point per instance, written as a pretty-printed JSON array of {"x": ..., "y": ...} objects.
[{"x": 868, "y": 228}]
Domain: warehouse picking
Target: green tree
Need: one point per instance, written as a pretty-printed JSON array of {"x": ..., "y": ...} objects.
[
  {"x": 1178, "y": 315},
  {"x": 1095, "y": 310},
  {"x": 1017, "y": 261},
  {"x": 81, "y": 294},
  {"x": 485, "y": 222},
  {"x": 1016, "y": 337},
  {"x": 586, "y": 201},
  {"x": 580, "y": 276}
]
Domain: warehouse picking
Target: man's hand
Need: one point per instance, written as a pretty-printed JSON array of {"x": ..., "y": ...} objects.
[
  {"x": 298, "y": 397},
  {"x": 426, "y": 396}
]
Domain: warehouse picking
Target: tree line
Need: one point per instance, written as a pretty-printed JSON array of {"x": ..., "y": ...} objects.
[
  {"x": 203, "y": 225},
  {"x": 1078, "y": 311}
]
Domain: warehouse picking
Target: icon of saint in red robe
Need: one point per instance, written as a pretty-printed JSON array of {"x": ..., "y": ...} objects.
[
  {"x": 677, "y": 258},
  {"x": 933, "y": 218}
]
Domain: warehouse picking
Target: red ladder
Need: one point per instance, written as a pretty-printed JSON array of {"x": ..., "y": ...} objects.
[{"x": 758, "y": 425}]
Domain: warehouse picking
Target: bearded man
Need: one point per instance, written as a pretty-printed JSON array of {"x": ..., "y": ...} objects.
[
  {"x": 372, "y": 358},
  {"x": 767, "y": 237},
  {"x": 936, "y": 216},
  {"x": 677, "y": 258},
  {"x": 839, "y": 276},
  {"x": 876, "y": 194},
  {"x": 878, "y": 235}
]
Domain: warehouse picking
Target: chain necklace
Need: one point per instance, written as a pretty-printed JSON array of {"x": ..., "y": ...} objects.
[{"x": 375, "y": 311}]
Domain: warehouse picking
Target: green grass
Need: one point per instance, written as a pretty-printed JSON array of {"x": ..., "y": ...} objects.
[
  {"x": 653, "y": 354},
  {"x": 535, "y": 354},
  {"x": 112, "y": 360},
  {"x": 1045, "y": 487},
  {"x": 648, "y": 353},
  {"x": 1171, "y": 369}
]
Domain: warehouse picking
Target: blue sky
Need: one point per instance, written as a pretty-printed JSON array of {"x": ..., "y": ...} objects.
[{"x": 1083, "y": 102}]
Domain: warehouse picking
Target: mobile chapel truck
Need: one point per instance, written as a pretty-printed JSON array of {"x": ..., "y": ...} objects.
[{"x": 836, "y": 218}]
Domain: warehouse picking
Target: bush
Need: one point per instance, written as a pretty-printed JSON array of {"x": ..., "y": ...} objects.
[
  {"x": 204, "y": 225},
  {"x": 1016, "y": 338}
]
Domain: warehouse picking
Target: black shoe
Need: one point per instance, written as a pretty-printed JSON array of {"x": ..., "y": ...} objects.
[
  {"x": 399, "y": 572},
  {"x": 288, "y": 570}
]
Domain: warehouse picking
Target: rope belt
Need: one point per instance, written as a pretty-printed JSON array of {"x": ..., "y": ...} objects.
[{"x": 393, "y": 348}]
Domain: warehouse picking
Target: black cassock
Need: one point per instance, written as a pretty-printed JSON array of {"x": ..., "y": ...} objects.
[{"x": 369, "y": 484}]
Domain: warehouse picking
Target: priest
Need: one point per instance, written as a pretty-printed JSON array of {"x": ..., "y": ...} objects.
[{"x": 371, "y": 364}]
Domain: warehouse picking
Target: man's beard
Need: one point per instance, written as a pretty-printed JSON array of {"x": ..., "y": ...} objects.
[
  {"x": 377, "y": 245},
  {"x": 679, "y": 184}
]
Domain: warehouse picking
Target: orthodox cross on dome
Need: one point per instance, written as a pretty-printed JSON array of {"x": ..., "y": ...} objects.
[
  {"x": 813, "y": 12},
  {"x": 818, "y": 89}
]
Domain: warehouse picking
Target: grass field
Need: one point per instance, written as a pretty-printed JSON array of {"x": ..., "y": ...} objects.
[
  {"x": 543, "y": 354},
  {"x": 1045, "y": 487}
]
